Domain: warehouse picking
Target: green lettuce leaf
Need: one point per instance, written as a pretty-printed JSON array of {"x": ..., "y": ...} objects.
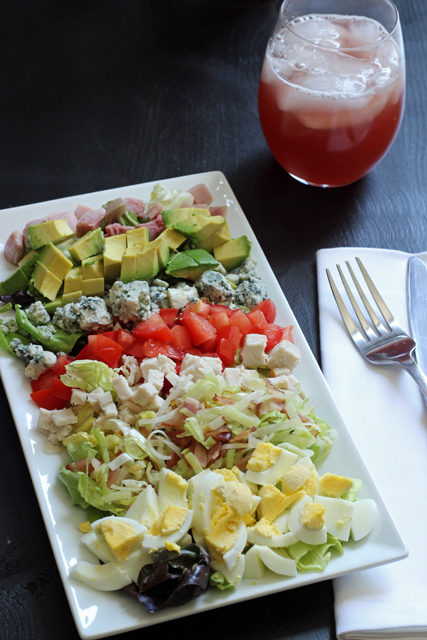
[
  {"x": 351, "y": 494},
  {"x": 88, "y": 375},
  {"x": 219, "y": 581},
  {"x": 6, "y": 339},
  {"x": 170, "y": 199},
  {"x": 60, "y": 340},
  {"x": 310, "y": 557}
]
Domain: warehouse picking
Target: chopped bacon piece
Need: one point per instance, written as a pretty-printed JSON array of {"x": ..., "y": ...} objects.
[
  {"x": 112, "y": 477},
  {"x": 201, "y": 454},
  {"x": 224, "y": 400}
]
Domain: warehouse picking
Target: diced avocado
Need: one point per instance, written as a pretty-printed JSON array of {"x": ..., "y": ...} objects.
[
  {"x": 140, "y": 237},
  {"x": 93, "y": 287},
  {"x": 147, "y": 263},
  {"x": 191, "y": 264},
  {"x": 216, "y": 239},
  {"x": 172, "y": 237},
  {"x": 46, "y": 282},
  {"x": 73, "y": 280},
  {"x": 64, "y": 245},
  {"x": 29, "y": 264},
  {"x": 233, "y": 253},
  {"x": 163, "y": 252},
  {"x": 198, "y": 227},
  {"x": 54, "y": 260},
  {"x": 87, "y": 246},
  {"x": 53, "y": 305},
  {"x": 51, "y": 231},
  {"x": 114, "y": 249},
  {"x": 28, "y": 256},
  {"x": 172, "y": 216},
  {"x": 73, "y": 296},
  {"x": 93, "y": 267},
  {"x": 17, "y": 281}
]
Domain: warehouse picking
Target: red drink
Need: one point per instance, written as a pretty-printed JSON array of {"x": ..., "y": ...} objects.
[{"x": 329, "y": 109}]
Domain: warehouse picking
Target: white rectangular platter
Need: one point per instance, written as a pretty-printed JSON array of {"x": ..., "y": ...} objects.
[{"x": 100, "y": 614}]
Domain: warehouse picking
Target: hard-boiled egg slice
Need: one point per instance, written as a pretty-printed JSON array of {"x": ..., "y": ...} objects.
[
  {"x": 277, "y": 561},
  {"x": 300, "y": 531},
  {"x": 271, "y": 474},
  {"x": 277, "y": 541},
  {"x": 282, "y": 522},
  {"x": 103, "y": 577},
  {"x": 364, "y": 516},
  {"x": 234, "y": 575},
  {"x": 133, "y": 564},
  {"x": 231, "y": 557},
  {"x": 194, "y": 481},
  {"x": 145, "y": 509},
  {"x": 172, "y": 490},
  {"x": 158, "y": 541},
  {"x": 204, "y": 501},
  {"x": 338, "y": 516},
  {"x": 254, "y": 567},
  {"x": 98, "y": 546},
  {"x": 121, "y": 534}
]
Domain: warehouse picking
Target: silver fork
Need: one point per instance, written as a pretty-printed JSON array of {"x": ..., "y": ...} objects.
[{"x": 387, "y": 342}]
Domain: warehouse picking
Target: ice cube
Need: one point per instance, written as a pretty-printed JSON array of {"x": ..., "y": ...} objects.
[
  {"x": 363, "y": 31},
  {"x": 321, "y": 31}
]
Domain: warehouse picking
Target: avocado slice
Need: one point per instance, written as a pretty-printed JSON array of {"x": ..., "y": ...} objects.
[
  {"x": 28, "y": 265},
  {"x": 172, "y": 216},
  {"x": 216, "y": 239},
  {"x": 28, "y": 256},
  {"x": 199, "y": 227},
  {"x": 114, "y": 249},
  {"x": 46, "y": 282},
  {"x": 17, "y": 281},
  {"x": 191, "y": 264},
  {"x": 233, "y": 253},
  {"x": 51, "y": 231},
  {"x": 64, "y": 245},
  {"x": 87, "y": 246},
  {"x": 92, "y": 267},
  {"x": 93, "y": 287},
  {"x": 73, "y": 296},
  {"x": 54, "y": 260},
  {"x": 172, "y": 237},
  {"x": 163, "y": 251},
  {"x": 73, "y": 280},
  {"x": 137, "y": 237},
  {"x": 53, "y": 305}
]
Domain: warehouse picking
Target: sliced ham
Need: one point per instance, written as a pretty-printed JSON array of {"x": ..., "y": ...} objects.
[
  {"x": 219, "y": 211},
  {"x": 81, "y": 209},
  {"x": 154, "y": 210},
  {"x": 201, "y": 194},
  {"x": 89, "y": 221},
  {"x": 155, "y": 227},
  {"x": 136, "y": 206},
  {"x": 14, "y": 247}
]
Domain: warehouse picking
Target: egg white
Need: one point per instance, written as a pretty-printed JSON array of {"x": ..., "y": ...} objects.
[
  {"x": 273, "y": 473},
  {"x": 254, "y": 566},
  {"x": 103, "y": 577},
  {"x": 234, "y": 575},
  {"x": 364, "y": 516},
  {"x": 309, "y": 536},
  {"x": 158, "y": 541},
  {"x": 338, "y": 516},
  {"x": 231, "y": 557},
  {"x": 145, "y": 509},
  {"x": 277, "y": 561},
  {"x": 284, "y": 540}
]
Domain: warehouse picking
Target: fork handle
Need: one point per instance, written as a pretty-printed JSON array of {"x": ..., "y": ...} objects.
[{"x": 418, "y": 375}]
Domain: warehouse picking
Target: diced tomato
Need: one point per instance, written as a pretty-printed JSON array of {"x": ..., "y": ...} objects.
[
  {"x": 200, "y": 328},
  {"x": 181, "y": 337},
  {"x": 85, "y": 354},
  {"x": 61, "y": 363},
  {"x": 226, "y": 351},
  {"x": 196, "y": 352},
  {"x": 219, "y": 320},
  {"x": 153, "y": 348},
  {"x": 274, "y": 335},
  {"x": 168, "y": 315},
  {"x": 268, "y": 308},
  {"x": 257, "y": 318},
  {"x": 155, "y": 328},
  {"x": 219, "y": 308},
  {"x": 105, "y": 349},
  {"x": 125, "y": 340},
  {"x": 137, "y": 349},
  {"x": 44, "y": 381},
  {"x": 208, "y": 346},
  {"x": 60, "y": 390},
  {"x": 110, "y": 334},
  {"x": 287, "y": 333},
  {"x": 46, "y": 400},
  {"x": 239, "y": 320},
  {"x": 199, "y": 307},
  {"x": 230, "y": 333}
]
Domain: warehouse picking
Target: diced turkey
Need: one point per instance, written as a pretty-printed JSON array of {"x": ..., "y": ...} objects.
[
  {"x": 14, "y": 247},
  {"x": 201, "y": 194}
]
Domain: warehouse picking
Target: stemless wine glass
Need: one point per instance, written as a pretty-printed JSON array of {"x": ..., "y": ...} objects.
[{"x": 332, "y": 89}]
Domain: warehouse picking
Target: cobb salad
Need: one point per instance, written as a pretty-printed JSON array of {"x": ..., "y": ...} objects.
[{"x": 153, "y": 354}]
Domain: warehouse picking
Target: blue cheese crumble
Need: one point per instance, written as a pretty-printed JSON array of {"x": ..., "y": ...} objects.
[
  {"x": 181, "y": 295},
  {"x": 87, "y": 314},
  {"x": 37, "y": 314},
  {"x": 9, "y": 325},
  {"x": 159, "y": 295},
  {"x": 34, "y": 356},
  {"x": 250, "y": 292},
  {"x": 130, "y": 302},
  {"x": 213, "y": 286}
]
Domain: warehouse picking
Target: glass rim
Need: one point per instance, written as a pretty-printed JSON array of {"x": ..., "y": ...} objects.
[{"x": 389, "y": 35}]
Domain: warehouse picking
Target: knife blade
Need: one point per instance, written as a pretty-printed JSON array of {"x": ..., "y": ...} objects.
[{"x": 417, "y": 274}]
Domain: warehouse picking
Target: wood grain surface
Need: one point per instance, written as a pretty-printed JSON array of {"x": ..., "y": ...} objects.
[{"x": 99, "y": 93}]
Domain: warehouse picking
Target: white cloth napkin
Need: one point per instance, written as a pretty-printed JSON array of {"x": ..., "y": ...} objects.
[{"x": 385, "y": 412}]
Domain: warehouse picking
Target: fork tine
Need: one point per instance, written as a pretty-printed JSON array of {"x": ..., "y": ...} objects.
[
  {"x": 348, "y": 320},
  {"x": 365, "y": 300},
  {"x": 388, "y": 316},
  {"x": 366, "y": 328}
]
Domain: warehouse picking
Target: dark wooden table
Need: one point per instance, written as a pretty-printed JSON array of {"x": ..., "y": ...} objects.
[{"x": 99, "y": 94}]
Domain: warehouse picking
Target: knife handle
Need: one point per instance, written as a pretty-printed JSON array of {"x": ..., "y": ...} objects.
[{"x": 418, "y": 375}]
